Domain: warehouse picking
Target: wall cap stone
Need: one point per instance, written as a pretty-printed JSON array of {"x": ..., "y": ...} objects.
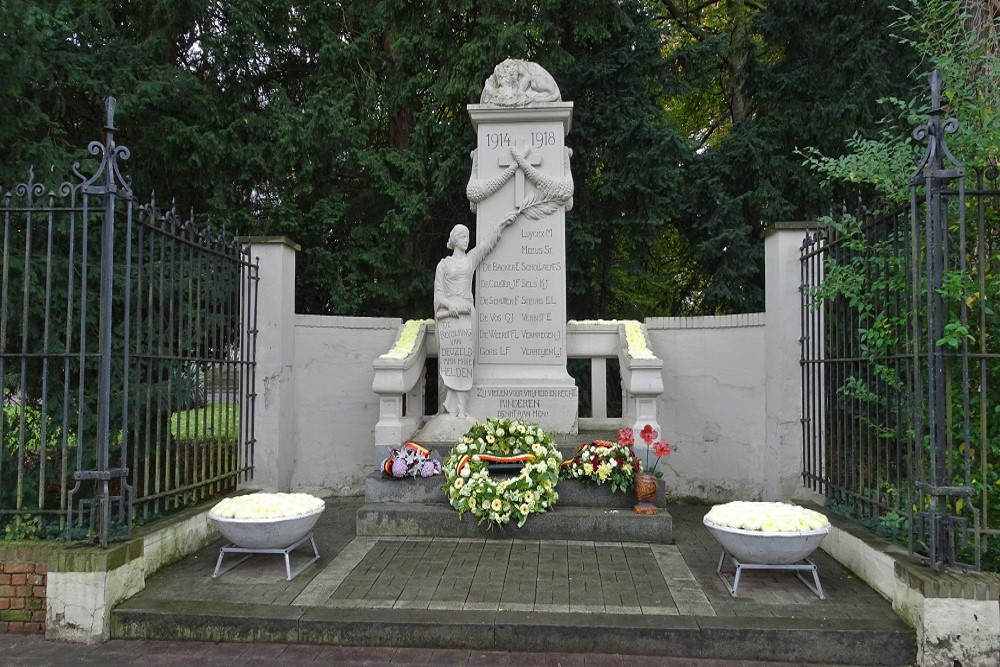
[
  {"x": 346, "y": 322},
  {"x": 270, "y": 240},
  {"x": 707, "y": 321},
  {"x": 793, "y": 226},
  {"x": 59, "y": 556},
  {"x": 951, "y": 583}
]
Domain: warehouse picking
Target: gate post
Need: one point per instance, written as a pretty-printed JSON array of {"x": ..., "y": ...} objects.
[
  {"x": 935, "y": 481},
  {"x": 274, "y": 428},
  {"x": 108, "y": 185},
  {"x": 783, "y": 375}
]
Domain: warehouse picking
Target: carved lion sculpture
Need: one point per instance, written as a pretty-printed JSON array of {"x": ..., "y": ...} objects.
[{"x": 518, "y": 83}]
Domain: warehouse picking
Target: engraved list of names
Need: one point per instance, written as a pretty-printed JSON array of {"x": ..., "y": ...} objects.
[{"x": 521, "y": 286}]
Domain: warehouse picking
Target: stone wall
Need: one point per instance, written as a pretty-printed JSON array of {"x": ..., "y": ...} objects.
[
  {"x": 66, "y": 590},
  {"x": 731, "y": 404},
  {"x": 337, "y": 409},
  {"x": 713, "y": 407}
]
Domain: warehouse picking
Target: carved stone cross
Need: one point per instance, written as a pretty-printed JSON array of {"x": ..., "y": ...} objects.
[{"x": 519, "y": 176}]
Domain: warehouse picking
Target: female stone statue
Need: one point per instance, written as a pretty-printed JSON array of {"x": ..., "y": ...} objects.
[{"x": 454, "y": 311}]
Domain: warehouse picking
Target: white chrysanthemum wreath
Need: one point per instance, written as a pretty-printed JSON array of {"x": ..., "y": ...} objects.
[
  {"x": 498, "y": 501},
  {"x": 766, "y": 517},
  {"x": 268, "y": 506}
]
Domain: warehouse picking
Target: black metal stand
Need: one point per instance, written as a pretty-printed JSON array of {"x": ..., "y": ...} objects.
[
  {"x": 804, "y": 565},
  {"x": 233, "y": 549}
]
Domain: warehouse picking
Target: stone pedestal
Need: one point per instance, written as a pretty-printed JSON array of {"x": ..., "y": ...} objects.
[{"x": 521, "y": 286}]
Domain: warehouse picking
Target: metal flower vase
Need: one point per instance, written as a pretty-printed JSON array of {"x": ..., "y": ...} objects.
[{"x": 645, "y": 491}]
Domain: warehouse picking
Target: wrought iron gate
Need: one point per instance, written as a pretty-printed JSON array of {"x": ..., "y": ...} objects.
[
  {"x": 127, "y": 340},
  {"x": 900, "y": 367}
]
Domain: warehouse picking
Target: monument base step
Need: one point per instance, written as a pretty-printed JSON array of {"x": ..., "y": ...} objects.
[
  {"x": 380, "y": 488},
  {"x": 600, "y": 524},
  {"x": 802, "y": 640}
]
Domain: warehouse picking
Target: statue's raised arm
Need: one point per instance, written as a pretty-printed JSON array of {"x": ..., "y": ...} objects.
[{"x": 479, "y": 253}]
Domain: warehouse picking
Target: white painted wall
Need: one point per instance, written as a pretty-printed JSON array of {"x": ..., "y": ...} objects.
[
  {"x": 336, "y": 407},
  {"x": 712, "y": 410},
  {"x": 730, "y": 406}
]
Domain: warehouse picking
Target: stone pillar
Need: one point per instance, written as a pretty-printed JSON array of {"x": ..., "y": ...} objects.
[
  {"x": 274, "y": 429},
  {"x": 782, "y": 456},
  {"x": 520, "y": 370}
]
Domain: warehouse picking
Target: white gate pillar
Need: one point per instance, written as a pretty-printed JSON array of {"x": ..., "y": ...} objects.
[
  {"x": 274, "y": 429},
  {"x": 783, "y": 373}
]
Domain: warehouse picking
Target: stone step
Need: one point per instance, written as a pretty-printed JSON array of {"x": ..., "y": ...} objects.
[
  {"x": 572, "y": 493},
  {"x": 861, "y": 641},
  {"x": 603, "y": 524}
]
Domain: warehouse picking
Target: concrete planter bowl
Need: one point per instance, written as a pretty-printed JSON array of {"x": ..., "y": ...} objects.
[
  {"x": 275, "y": 533},
  {"x": 767, "y": 548}
]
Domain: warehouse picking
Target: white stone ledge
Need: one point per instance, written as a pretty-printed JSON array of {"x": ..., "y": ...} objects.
[
  {"x": 964, "y": 629},
  {"x": 346, "y": 322},
  {"x": 707, "y": 322}
]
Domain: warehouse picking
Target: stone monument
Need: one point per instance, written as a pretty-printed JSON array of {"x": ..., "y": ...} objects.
[
  {"x": 505, "y": 355},
  {"x": 521, "y": 164}
]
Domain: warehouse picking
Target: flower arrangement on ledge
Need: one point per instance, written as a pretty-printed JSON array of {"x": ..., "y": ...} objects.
[
  {"x": 635, "y": 336},
  {"x": 410, "y": 460},
  {"x": 468, "y": 483},
  {"x": 268, "y": 506},
  {"x": 766, "y": 517},
  {"x": 403, "y": 346},
  {"x": 601, "y": 461}
]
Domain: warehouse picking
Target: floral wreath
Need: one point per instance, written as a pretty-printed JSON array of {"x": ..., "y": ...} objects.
[
  {"x": 602, "y": 461},
  {"x": 497, "y": 501}
]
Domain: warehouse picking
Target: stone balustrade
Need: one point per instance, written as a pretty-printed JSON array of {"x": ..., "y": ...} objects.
[{"x": 399, "y": 382}]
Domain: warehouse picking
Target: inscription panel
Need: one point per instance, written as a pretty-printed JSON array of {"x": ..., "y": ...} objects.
[
  {"x": 554, "y": 408},
  {"x": 456, "y": 344},
  {"x": 521, "y": 286}
]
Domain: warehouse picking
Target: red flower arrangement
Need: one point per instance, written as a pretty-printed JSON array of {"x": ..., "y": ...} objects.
[
  {"x": 650, "y": 436},
  {"x": 601, "y": 461}
]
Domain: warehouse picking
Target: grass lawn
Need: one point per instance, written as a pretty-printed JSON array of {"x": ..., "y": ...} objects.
[{"x": 214, "y": 422}]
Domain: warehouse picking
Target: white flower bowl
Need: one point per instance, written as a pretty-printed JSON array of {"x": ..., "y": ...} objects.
[
  {"x": 275, "y": 533},
  {"x": 767, "y": 548}
]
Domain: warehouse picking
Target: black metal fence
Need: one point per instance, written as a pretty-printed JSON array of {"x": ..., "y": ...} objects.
[
  {"x": 900, "y": 366},
  {"x": 127, "y": 340}
]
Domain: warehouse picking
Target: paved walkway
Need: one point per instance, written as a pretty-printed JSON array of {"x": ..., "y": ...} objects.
[
  {"x": 514, "y": 575},
  {"x": 560, "y": 602}
]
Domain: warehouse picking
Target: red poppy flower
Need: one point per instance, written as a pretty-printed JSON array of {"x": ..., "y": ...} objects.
[
  {"x": 625, "y": 437},
  {"x": 661, "y": 448},
  {"x": 648, "y": 434}
]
